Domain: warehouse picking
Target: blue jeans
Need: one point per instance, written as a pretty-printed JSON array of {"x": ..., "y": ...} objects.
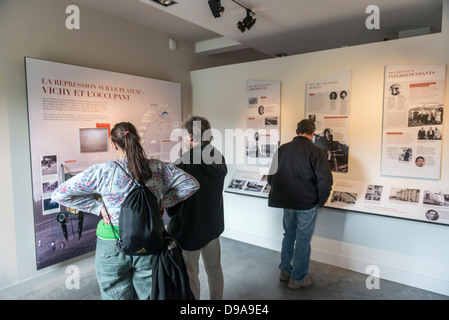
[
  {"x": 119, "y": 276},
  {"x": 298, "y": 227}
]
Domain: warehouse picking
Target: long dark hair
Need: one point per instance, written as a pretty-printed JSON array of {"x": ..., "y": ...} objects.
[{"x": 125, "y": 135}]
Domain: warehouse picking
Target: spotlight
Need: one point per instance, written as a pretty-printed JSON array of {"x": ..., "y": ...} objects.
[
  {"x": 240, "y": 26},
  {"x": 165, "y": 3},
  {"x": 216, "y": 8},
  {"x": 248, "y": 22}
]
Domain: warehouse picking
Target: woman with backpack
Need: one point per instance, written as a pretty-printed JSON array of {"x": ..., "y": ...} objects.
[{"x": 120, "y": 276}]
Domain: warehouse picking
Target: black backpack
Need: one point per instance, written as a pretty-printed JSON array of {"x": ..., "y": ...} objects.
[{"x": 140, "y": 222}]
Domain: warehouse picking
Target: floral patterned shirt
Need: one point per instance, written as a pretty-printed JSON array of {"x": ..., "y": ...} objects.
[{"x": 168, "y": 183}]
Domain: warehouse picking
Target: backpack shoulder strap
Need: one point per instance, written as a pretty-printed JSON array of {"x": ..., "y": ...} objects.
[
  {"x": 121, "y": 167},
  {"x": 114, "y": 232}
]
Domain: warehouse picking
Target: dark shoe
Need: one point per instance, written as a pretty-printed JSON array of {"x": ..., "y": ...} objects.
[
  {"x": 284, "y": 275},
  {"x": 306, "y": 282}
]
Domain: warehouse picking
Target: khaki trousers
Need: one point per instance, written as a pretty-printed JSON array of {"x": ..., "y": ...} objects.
[{"x": 211, "y": 255}]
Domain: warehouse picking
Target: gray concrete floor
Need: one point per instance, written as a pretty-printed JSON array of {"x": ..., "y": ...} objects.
[{"x": 251, "y": 273}]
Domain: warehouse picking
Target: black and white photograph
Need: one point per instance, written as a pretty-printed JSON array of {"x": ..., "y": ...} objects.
[
  {"x": 405, "y": 154},
  {"x": 49, "y": 165},
  {"x": 425, "y": 115},
  {"x": 344, "y": 197},
  {"x": 438, "y": 198},
  {"x": 49, "y": 186},
  {"x": 271, "y": 121},
  {"x": 253, "y": 186},
  {"x": 236, "y": 184},
  {"x": 253, "y": 100},
  {"x": 404, "y": 194},
  {"x": 373, "y": 192},
  {"x": 432, "y": 215},
  {"x": 336, "y": 151}
]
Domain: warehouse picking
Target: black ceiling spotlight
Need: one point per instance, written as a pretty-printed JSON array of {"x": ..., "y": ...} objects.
[
  {"x": 248, "y": 22},
  {"x": 216, "y": 8}
]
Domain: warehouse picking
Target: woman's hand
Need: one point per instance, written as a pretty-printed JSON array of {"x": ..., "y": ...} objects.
[{"x": 104, "y": 213}]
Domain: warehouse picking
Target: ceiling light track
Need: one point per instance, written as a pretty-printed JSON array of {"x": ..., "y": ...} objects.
[{"x": 241, "y": 4}]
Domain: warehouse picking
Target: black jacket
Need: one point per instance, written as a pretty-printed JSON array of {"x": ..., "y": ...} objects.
[
  {"x": 303, "y": 177},
  {"x": 170, "y": 277},
  {"x": 199, "y": 219}
]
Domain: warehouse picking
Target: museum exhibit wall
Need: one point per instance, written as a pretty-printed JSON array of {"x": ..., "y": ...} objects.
[
  {"x": 405, "y": 251},
  {"x": 37, "y": 29}
]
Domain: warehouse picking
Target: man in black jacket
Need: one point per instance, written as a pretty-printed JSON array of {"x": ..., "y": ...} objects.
[
  {"x": 301, "y": 181},
  {"x": 197, "y": 222}
]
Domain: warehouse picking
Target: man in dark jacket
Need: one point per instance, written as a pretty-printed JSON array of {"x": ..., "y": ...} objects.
[
  {"x": 197, "y": 222},
  {"x": 301, "y": 181}
]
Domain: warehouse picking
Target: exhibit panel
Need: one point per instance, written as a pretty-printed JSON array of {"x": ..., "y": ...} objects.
[
  {"x": 248, "y": 182},
  {"x": 262, "y": 121},
  {"x": 413, "y": 120},
  {"x": 328, "y": 102},
  {"x": 413, "y": 99},
  {"x": 71, "y": 110},
  {"x": 400, "y": 200}
]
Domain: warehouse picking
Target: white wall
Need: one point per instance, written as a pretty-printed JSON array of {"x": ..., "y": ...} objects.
[{"x": 409, "y": 252}]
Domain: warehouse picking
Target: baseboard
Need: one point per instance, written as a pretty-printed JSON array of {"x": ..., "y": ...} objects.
[
  {"x": 272, "y": 244},
  {"x": 392, "y": 267}
]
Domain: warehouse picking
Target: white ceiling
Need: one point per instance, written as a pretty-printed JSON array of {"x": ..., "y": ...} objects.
[{"x": 282, "y": 26}]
